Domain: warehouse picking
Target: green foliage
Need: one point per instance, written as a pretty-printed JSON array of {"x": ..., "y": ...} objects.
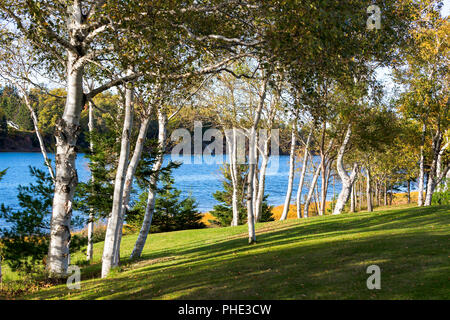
[
  {"x": 223, "y": 212},
  {"x": 2, "y": 173},
  {"x": 441, "y": 197},
  {"x": 289, "y": 253},
  {"x": 97, "y": 193},
  {"x": 14, "y": 110},
  {"x": 98, "y": 234},
  {"x": 3, "y": 123},
  {"x": 171, "y": 213},
  {"x": 50, "y": 108},
  {"x": 24, "y": 242}
]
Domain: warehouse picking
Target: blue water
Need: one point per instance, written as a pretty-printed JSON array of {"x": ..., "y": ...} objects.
[{"x": 199, "y": 177}]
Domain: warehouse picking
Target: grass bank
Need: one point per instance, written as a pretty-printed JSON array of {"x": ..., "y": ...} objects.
[{"x": 315, "y": 258}]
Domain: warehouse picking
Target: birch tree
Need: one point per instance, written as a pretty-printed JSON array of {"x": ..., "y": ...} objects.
[
  {"x": 252, "y": 161},
  {"x": 302, "y": 174},
  {"x": 346, "y": 179},
  {"x": 287, "y": 199},
  {"x": 423, "y": 72}
]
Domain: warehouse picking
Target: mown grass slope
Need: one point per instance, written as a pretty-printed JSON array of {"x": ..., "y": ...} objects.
[{"x": 315, "y": 258}]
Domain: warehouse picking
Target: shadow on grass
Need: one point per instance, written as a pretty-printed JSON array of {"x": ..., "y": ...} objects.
[{"x": 310, "y": 260}]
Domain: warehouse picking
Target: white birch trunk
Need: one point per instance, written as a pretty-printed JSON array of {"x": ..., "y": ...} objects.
[
  {"x": 255, "y": 178},
  {"x": 311, "y": 191},
  {"x": 262, "y": 178},
  {"x": 352, "y": 198},
  {"x": 302, "y": 176},
  {"x": 252, "y": 165},
  {"x": 38, "y": 133},
  {"x": 66, "y": 178},
  {"x": 326, "y": 171},
  {"x": 232, "y": 156},
  {"x": 346, "y": 180},
  {"x": 287, "y": 199},
  {"x": 432, "y": 178},
  {"x": 148, "y": 216},
  {"x": 421, "y": 168},
  {"x": 250, "y": 213},
  {"x": 131, "y": 170},
  {"x": 369, "y": 190},
  {"x": 112, "y": 244},
  {"x": 90, "y": 229},
  {"x": 440, "y": 171}
]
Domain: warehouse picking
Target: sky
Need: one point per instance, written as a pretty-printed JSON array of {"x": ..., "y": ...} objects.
[{"x": 446, "y": 8}]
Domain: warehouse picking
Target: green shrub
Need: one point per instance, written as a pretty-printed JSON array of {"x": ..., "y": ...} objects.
[
  {"x": 24, "y": 242},
  {"x": 171, "y": 212},
  {"x": 441, "y": 197},
  {"x": 223, "y": 212}
]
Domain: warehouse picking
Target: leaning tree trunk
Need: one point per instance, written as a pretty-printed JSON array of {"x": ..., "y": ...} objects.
[
  {"x": 66, "y": 178},
  {"x": 38, "y": 133},
  {"x": 311, "y": 192},
  {"x": 131, "y": 170},
  {"x": 255, "y": 179},
  {"x": 287, "y": 199},
  {"x": 90, "y": 229},
  {"x": 421, "y": 168},
  {"x": 262, "y": 177},
  {"x": 326, "y": 171},
  {"x": 250, "y": 213},
  {"x": 150, "y": 207},
  {"x": 302, "y": 176},
  {"x": 112, "y": 245},
  {"x": 346, "y": 180}
]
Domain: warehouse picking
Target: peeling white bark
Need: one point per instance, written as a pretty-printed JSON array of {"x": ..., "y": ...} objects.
[
  {"x": 346, "y": 180},
  {"x": 66, "y": 179}
]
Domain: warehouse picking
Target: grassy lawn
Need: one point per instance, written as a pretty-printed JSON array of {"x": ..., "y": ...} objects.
[{"x": 315, "y": 258}]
